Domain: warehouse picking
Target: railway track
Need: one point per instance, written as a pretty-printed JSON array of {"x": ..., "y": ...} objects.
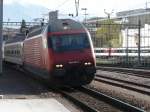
[
  {"x": 79, "y": 103},
  {"x": 101, "y": 97},
  {"x": 135, "y": 72},
  {"x": 96, "y": 96},
  {"x": 144, "y": 89},
  {"x": 121, "y": 106},
  {"x": 124, "y": 81}
]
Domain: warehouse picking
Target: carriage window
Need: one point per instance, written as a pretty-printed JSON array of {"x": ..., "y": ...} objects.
[
  {"x": 12, "y": 52},
  {"x": 18, "y": 52}
]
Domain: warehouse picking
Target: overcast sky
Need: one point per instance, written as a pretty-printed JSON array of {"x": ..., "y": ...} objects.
[{"x": 95, "y": 7}]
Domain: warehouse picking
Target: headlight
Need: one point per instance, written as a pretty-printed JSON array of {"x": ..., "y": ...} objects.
[
  {"x": 87, "y": 63},
  {"x": 59, "y": 66}
]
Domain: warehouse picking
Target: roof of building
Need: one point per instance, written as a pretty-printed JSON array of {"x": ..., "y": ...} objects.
[{"x": 134, "y": 12}]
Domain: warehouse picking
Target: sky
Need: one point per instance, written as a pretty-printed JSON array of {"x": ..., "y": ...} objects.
[{"x": 94, "y": 7}]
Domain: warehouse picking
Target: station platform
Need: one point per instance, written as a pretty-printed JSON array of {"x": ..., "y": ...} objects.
[{"x": 31, "y": 105}]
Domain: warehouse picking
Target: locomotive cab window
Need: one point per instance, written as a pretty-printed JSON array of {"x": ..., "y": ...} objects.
[{"x": 62, "y": 43}]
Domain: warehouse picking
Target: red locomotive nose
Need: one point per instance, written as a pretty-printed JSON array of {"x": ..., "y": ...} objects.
[{"x": 71, "y": 53}]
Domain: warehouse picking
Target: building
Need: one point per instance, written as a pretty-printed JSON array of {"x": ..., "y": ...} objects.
[
  {"x": 131, "y": 37},
  {"x": 93, "y": 24},
  {"x": 133, "y": 16},
  {"x": 128, "y": 20}
]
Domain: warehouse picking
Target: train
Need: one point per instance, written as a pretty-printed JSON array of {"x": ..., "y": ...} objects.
[
  {"x": 122, "y": 52},
  {"x": 60, "y": 52},
  {"x": 122, "y": 55}
]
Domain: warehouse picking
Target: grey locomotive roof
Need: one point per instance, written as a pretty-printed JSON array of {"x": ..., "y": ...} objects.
[
  {"x": 17, "y": 38},
  {"x": 36, "y": 30},
  {"x": 59, "y": 24}
]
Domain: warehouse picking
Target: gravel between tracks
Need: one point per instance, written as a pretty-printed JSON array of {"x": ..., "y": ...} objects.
[
  {"x": 134, "y": 98},
  {"x": 95, "y": 103},
  {"x": 124, "y": 76}
]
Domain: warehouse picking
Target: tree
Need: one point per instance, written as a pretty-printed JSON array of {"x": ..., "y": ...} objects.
[
  {"x": 23, "y": 26},
  {"x": 109, "y": 34}
]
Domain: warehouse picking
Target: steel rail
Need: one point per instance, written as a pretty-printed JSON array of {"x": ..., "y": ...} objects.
[
  {"x": 122, "y": 86},
  {"x": 134, "y": 72},
  {"x": 112, "y": 101},
  {"x": 77, "y": 102},
  {"x": 124, "y": 81}
]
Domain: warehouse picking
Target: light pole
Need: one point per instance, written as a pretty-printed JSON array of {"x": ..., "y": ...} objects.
[
  {"x": 8, "y": 29},
  {"x": 1, "y": 35},
  {"x": 85, "y": 14},
  {"x": 77, "y": 6},
  {"x": 146, "y": 5}
]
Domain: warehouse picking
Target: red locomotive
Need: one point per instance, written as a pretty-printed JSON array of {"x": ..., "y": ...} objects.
[{"x": 60, "y": 52}]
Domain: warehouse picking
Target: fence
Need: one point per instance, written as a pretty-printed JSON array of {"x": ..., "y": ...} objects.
[{"x": 121, "y": 44}]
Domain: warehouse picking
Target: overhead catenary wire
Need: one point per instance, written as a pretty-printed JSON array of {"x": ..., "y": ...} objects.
[
  {"x": 76, "y": 6},
  {"x": 57, "y": 8},
  {"x": 60, "y": 5},
  {"x": 64, "y": 4}
]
